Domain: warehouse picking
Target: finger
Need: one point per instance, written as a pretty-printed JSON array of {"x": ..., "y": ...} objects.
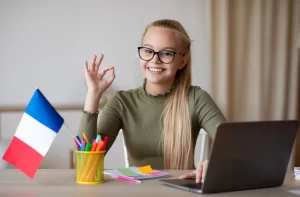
[
  {"x": 86, "y": 67},
  {"x": 205, "y": 165},
  {"x": 183, "y": 176},
  {"x": 199, "y": 172},
  {"x": 112, "y": 76},
  {"x": 189, "y": 175},
  {"x": 93, "y": 63},
  {"x": 99, "y": 62},
  {"x": 103, "y": 71}
]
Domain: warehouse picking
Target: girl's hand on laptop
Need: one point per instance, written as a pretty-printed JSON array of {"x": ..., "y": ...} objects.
[{"x": 199, "y": 173}]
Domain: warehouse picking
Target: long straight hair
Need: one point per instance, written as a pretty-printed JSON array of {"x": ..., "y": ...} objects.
[{"x": 177, "y": 135}]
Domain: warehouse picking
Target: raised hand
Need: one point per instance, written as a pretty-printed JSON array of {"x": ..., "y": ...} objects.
[{"x": 96, "y": 84}]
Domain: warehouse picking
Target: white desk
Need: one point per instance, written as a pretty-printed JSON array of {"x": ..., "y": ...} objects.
[{"x": 62, "y": 183}]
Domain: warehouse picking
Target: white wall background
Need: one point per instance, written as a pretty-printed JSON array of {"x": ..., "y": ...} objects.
[{"x": 44, "y": 44}]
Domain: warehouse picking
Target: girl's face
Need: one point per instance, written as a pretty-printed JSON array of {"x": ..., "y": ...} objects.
[{"x": 162, "y": 68}]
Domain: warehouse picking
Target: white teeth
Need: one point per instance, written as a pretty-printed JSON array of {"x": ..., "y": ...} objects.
[{"x": 156, "y": 69}]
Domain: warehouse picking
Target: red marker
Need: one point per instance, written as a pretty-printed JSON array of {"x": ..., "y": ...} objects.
[
  {"x": 76, "y": 142},
  {"x": 104, "y": 143}
]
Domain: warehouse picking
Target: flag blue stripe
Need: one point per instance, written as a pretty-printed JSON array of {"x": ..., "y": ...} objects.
[{"x": 40, "y": 109}]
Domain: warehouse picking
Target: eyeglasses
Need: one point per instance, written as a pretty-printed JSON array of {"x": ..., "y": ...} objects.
[{"x": 165, "y": 56}]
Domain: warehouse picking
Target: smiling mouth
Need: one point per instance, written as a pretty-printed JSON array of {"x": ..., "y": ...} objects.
[{"x": 156, "y": 70}]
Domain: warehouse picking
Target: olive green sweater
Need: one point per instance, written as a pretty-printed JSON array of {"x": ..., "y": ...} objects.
[{"x": 138, "y": 115}]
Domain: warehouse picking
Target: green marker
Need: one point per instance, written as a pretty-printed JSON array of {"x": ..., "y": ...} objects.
[{"x": 88, "y": 147}]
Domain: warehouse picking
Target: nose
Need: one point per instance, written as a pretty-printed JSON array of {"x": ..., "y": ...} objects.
[{"x": 155, "y": 59}]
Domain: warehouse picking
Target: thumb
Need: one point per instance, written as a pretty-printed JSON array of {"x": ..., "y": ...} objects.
[
  {"x": 205, "y": 165},
  {"x": 199, "y": 171}
]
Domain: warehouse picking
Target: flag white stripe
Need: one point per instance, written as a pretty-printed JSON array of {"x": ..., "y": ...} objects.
[{"x": 35, "y": 134}]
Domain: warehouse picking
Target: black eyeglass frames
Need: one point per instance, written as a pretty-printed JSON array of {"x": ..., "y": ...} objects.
[{"x": 165, "y": 56}]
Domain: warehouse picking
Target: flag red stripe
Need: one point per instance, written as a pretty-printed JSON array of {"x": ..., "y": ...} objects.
[{"x": 23, "y": 157}]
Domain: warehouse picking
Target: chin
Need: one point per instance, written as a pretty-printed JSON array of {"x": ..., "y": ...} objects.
[{"x": 153, "y": 81}]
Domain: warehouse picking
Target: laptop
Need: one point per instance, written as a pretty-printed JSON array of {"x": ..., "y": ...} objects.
[{"x": 245, "y": 155}]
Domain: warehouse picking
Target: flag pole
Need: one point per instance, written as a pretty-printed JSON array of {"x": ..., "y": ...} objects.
[{"x": 74, "y": 137}]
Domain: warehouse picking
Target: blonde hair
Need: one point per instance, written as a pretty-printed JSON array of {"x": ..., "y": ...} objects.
[{"x": 177, "y": 135}]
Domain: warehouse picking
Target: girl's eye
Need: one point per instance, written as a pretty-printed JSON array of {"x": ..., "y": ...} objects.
[
  {"x": 148, "y": 51},
  {"x": 166, "y": 53}
]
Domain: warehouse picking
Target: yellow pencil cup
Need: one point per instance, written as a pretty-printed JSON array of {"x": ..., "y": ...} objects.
[{"x": 90, "y": 167}]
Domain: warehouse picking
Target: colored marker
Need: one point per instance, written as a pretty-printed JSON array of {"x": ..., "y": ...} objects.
[
  {"x": 85, "y": 138},
  {"x": 126, "y": 179},
  {"x": 98, "y": 138},
  {"x": 82, "y": 145},
  {"x": 94, "y": 146},
  {"x": 99, "y": 146},
  {"x": 78, "y": 139},
  {"x": 76, "y": 142},
  {"x": 88, "y": 147},
  {"x": 104, "y": 143}
]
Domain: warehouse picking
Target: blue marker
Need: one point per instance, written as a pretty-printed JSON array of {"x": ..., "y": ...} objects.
[
  {"x": 82, "y": 145},
  {"x": 78, "y": 138}
]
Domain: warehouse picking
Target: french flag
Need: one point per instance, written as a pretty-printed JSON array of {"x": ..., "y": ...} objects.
[{"x": 35, "y": 133}]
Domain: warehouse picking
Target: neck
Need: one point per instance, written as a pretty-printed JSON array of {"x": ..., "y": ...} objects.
[{"x": 158, "y": 89}]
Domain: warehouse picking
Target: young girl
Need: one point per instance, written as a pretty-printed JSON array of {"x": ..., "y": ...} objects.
[{"x": 161, "y": 119}]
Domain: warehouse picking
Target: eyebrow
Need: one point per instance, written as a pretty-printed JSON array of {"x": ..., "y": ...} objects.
[{"x": 148, "y": 45}]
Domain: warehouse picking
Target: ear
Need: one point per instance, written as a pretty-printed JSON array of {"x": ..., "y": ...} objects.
[{"x": 184, "y": 60}]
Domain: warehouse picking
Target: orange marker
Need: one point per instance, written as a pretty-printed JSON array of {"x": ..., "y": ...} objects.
[
  {"x": 99, "y": 146},
  {"x": 94, "y": 146}
]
